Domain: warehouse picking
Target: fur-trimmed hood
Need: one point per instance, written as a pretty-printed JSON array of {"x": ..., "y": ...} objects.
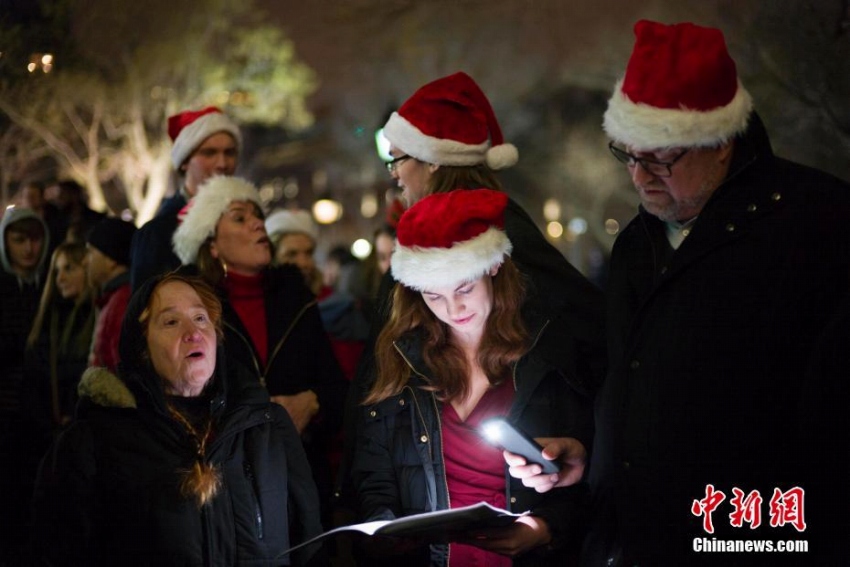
[{"x": 103, "y": 388}]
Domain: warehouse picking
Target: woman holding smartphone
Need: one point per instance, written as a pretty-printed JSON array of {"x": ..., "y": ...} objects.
[{"x": 460, "y": 347}]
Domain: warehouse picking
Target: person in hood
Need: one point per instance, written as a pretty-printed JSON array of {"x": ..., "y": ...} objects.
[
  {"x": 23, "y": 254},
  {"x": 180, "y": 458}
]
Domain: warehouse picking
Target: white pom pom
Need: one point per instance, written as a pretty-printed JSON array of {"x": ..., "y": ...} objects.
[{"x": 502, "y": 156}]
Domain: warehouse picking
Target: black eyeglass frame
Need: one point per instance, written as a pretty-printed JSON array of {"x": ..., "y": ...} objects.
[
  {"x": 651, "y": 166},
  {"x": 393, "y": 164}
]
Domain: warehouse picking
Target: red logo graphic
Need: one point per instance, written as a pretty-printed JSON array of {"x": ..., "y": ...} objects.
[
  {"x": 747, "y": 508},
  {"x": 706, "y": 506},
  {"x": 785, "y": 508}
]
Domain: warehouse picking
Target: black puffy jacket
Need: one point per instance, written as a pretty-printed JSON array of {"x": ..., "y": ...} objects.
[
  {"x": 108, "y": 491},
  {"x": 399, "y": 469}
]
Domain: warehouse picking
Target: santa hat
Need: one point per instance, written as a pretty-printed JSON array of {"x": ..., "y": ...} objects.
[
  {"x": 446, "y": 239},
  {"x": 189, "y": 129},
  {"x": 450, "y": 122},
  {"x": 681, "y": 89},
  {"x": 284, "y": 221},
  {"x": 204, "y": 211}
]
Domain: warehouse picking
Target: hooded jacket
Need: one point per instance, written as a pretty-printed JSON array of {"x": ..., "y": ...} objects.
[
  {"x": 300, "y": 358},
  {"x": 108, "y": 491},
  {"x": 18, "y": 305},
  {"x": 13, "y": 215},
  {"x": 399, "y": 467}
]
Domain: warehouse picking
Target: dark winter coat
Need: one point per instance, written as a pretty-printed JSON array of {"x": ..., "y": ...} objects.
[
  {"x": 554, "y": 287},
  {"x": 151, "y": 253},
  {"x": 19, "y": 299},
  {"x": 108, "y": 492},
  {"x": 708, "y": 349},
  {"x": 299, "y": 358},
  {"x": 18, "y": 305},
  {"x": 399, "y": 468},
  {"x": 299, "y": 352},
  {"x": 56, "y": 362}
]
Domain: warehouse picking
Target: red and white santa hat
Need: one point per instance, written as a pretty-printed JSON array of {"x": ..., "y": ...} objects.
[
  {"x": 450, "y": 122},
  {"x": 189, "y": 129},
  {"x": 681, "y": 89},
  {"x": 204, "y": 211},
  {"x": 447, "y": 239}
]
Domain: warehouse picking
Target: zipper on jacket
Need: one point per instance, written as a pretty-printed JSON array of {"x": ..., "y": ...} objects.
[
  {"x": 258, "y": 513},
  {"x": 261, "y": 372},
  {"x": 443, "y": 459},
  {"x": 251, "y": 349},
  {"x": 530, "y": 348},
  {"x": 430, "y": 441},
  {"x": 422, "y": 424}
]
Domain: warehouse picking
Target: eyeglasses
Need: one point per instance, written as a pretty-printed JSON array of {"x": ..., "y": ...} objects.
[
  {"x": 393, "y": 164},
  {"x": 651, "y": 166}
]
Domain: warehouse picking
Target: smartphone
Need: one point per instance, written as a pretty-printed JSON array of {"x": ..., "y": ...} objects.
[{"x": 499, "y": 432}]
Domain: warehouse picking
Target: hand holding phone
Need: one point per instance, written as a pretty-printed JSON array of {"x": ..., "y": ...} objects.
[{"x": 499, "y": 432}]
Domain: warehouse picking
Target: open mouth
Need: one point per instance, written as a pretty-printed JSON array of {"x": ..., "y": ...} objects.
[{"x": 196, "y": 354}]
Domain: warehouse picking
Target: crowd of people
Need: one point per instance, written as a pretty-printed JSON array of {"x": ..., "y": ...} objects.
[{"x": 199, "y": 391}]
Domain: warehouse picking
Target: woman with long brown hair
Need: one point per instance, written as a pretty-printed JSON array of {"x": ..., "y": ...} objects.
[
  {"x": 461, "y": 346},
  {"x": 60, "y": 339}
]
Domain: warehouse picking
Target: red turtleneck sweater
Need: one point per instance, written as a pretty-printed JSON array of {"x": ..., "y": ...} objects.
[{"x": 247, "y": 298}]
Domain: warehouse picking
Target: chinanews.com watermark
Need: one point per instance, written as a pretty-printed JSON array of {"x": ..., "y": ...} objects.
[
  {"x": 714, "y": 545},
  {"x": 785, "y": 508}
]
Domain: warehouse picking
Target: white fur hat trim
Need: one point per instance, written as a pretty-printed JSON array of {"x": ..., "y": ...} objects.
[
  {"x": 412, "y": 141},
  {"x": 427, "y": 268},
  {"x": 194, "y": 134},
  {"x": 204, "y": 211},
  {"x": 644, "y": 127},
  {"x": 284, "y": 221}
]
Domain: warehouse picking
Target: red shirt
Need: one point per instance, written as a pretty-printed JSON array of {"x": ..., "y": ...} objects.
[
  {"x": 107, "y": 331},
  {"x": 475, "y": 470},
  {"x": 248, "y": 300}
]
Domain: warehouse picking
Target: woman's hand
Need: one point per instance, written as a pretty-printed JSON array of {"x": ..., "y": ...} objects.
[
  {"x": 569, "y": 452},
  {"x": 523, "y": 535},
  {"x": 301, "y": 407}
]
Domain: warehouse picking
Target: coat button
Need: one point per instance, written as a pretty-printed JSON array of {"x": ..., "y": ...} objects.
[
  {"x": 268, "y": 415},
  {"x": 401, "y": 402},
  {"x": 513, "y": 499},
  {"x": 627, "y": 465},
  {"x": 634, "y": 365},
  {"x": 751, "y": 208},
  {"x": 424, "y": 438},
  {"x": 776, "y": 196},
  {"x": 730, "y": 227},
  {"x": 663, "y": 270},
  {"x": 373, "y": 413}
]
